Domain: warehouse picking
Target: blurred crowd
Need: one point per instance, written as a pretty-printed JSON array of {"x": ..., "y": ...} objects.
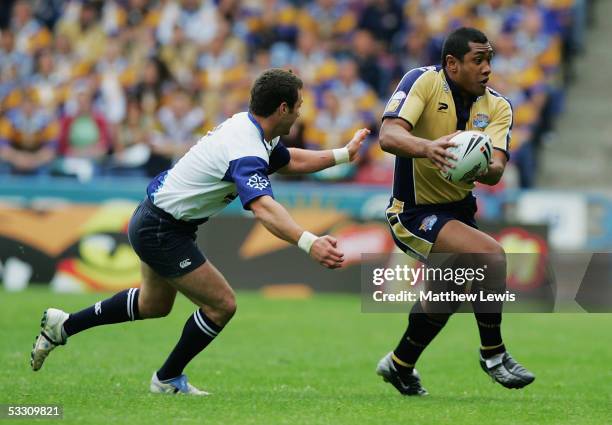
[{"x": 125, "y": 87}]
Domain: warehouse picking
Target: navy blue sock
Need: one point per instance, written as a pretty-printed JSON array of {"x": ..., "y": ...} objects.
[
  {"x": 199, "y": 331},
  {"x": 422, "y": 329},
  {"x": 489, "y": 327},
  {"x": 121, "y": 307}
]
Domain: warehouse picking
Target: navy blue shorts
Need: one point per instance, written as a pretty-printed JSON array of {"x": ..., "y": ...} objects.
[
  {"x": 165, "y": 244},
  {"x": 416, "y": 229}
]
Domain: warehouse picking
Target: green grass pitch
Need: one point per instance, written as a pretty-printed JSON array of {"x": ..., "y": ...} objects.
[{"x": 305, "y": 362}]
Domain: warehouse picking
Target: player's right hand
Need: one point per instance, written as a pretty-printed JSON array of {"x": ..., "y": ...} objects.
[
  {"x": 437, "y": 152},
  {"x": 325, "y": 251}
]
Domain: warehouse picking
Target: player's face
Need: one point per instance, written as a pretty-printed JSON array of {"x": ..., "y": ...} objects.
[
  {"x": 473, "y": 73},
  {"x": 290, "y": 115}
]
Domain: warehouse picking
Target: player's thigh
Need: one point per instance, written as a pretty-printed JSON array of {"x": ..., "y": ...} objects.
[
  {"x": 206, "y": 287},
  {"x": 156, "y": 296},
  {"x": 474, "y": 249},
  {"x": 457, "y": 237}
]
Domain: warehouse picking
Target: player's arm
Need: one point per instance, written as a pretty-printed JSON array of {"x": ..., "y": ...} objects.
[
  {"x": 396, "y": 138},
  {"x": 500, "y": 132},
  {"x": 304, "y": 161},
  {"x": 496, "y": 169},
  {"x": 403, "y": 112},
  {"x": 279, "y": 222}
]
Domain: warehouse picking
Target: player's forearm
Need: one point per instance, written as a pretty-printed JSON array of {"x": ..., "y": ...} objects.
[
  {"x": 276, "y": 219},
  {"x": 496, "y": 169},
  {"x": 305, "y": 161},
  {"x": 493, "y": 175},
  {"x": 398, "y": 141}
]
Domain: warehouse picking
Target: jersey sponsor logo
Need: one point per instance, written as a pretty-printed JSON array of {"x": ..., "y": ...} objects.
[
  {"x": 98, "y": 308},
  {"x": 185, "y": 263},
  {"x": 393, "y": 105},
  {"x": 258, "y": 182},
  {"x": 428, "y": 222},
  {"x": 400, "y": 94},
  {"x": 481, "y": 121},
  {"x": 442, "y": 107},
  {"x": 395, "y": 101}
]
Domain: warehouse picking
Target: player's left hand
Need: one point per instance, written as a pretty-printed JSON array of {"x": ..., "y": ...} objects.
[
  {"x": 481, "y": 173},
  {"x": 355, "y": 144}
]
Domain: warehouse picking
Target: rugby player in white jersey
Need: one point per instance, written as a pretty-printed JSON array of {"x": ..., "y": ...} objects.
[{"x": 233, "y": 160}]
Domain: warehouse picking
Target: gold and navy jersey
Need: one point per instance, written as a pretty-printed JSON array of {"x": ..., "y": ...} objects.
[{"x": 434, "y": 107}]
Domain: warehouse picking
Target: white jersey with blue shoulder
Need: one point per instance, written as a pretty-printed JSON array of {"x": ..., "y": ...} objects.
[{"x": 232, "y": 160}]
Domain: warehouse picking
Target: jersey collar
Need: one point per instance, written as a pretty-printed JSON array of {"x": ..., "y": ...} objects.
[
  {"x": 461, "y": 108},
  {"x": 456, "y": 91},
  {"x": 267, "y": 145}
]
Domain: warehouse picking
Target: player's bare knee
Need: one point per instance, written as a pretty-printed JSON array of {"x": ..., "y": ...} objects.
[
  {"x": 227, "y": 307},
  {"x": 488, "y": 245},
  {"x": 490, "y": 254},
  {"x": 493, "y": 260},
  {"x": 223, "y": 310},
  {"x": 155, "y": 310}
]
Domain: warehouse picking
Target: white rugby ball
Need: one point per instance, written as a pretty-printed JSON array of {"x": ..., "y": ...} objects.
[{"x": 473, "y": 152}]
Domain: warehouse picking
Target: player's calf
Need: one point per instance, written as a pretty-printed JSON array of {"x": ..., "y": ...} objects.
[{"x": 154, "y": 311}]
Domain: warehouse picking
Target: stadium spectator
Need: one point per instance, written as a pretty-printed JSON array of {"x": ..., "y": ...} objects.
[
  {"x": 333, "y": 21},
  {"x": 28, "y": 138},
  {"x": 65, "y": 62},
  {"x": 382, "y": 18},
  {"x": 198, "y": 18},
  {"x": 112, "y": 69},
  {"x": 413, "y": 52},
  {"x": 352, "y": 92},
  {"x": 30, "y": 35},
  {"x": 309, "y": 57},
  {"x": 12, "y": 58},
  {"x": 47, "y": 83},
  {"x": 85, "y": 31},
  {"x": 85, "y": 137},
  {"x": 132, "y": 147},
  {"x": 152, "y": 87},
  {"x": 268, "y": 22},
  {"x": 180, "y": 57},
  {"x": 48, "y": 11},
  {"x": 365, "y": 52},
  {"x": 178, "y": 126},
  {"x": 331, "y": 127}
]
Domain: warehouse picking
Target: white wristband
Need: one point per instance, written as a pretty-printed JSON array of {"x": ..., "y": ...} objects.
[
  {"x": 341, "y": 155},
  {"x": 306, "y": 241}
]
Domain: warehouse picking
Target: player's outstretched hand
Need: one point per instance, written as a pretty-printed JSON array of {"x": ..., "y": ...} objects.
[
  {"x": 437, "y": 152},
  {"x": 325, "y": 251},
  {"x": 355, "y": 143}
]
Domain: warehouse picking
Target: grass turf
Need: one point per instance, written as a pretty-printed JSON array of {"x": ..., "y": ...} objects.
[{"x": 305, "y": 362}]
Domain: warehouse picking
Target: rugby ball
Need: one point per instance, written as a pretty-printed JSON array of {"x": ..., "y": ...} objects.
[{"x": 473, "y": 152}]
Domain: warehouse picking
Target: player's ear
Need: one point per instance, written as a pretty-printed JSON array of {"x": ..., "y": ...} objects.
[
  {"x": 451, "y": 63},
  {"x": 283, "y": 108}
]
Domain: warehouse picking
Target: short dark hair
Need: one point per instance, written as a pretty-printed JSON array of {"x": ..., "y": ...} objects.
[
  {"x": 272, "y": 88},
  {"x": 457, "y": 42}
]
